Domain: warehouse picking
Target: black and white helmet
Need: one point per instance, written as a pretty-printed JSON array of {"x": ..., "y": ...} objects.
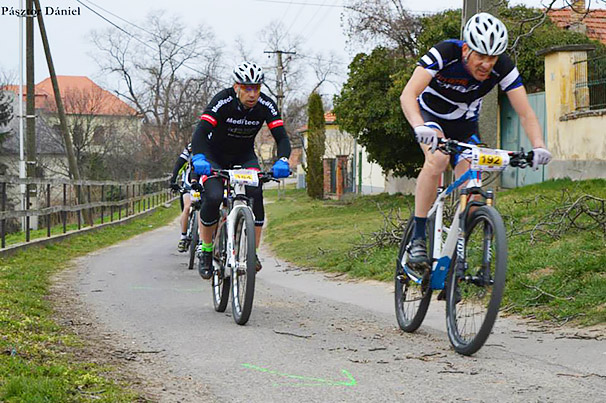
[
  {"x": 248, "y": 73},
  {"x": 485, "y": 34}
]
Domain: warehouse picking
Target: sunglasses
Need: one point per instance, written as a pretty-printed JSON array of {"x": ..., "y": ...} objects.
[{"x": 251, "y": 88}]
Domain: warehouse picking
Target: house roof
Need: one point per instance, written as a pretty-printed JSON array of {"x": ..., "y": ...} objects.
[
  {"x": 329, "y": 118},
  {"x": 595, "y": 21},
  {"x": 80, "y": 95}
]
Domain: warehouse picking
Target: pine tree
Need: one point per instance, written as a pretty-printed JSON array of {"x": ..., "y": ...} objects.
[{"x": 316, "y": 138}]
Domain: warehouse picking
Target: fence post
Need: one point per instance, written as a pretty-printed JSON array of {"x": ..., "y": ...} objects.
[
  {"x": 90, "y": 209},
  {"x": 48, "y": 204},
  {"x": 79, "y": 211},
  {"x": 102, "y": 200},
  {"x": 111, "y": 208},
  {"x": 127, "y": 201},
  {"x": 4, "y": 219},
  {"x": 63, "y": 212},
  {"x": 120, "y": 204},
  {"x": 27, "y": 214}
]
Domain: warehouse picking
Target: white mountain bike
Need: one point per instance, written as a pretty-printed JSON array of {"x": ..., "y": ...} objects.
[
  {"x": 468, "y": 258},
  {"x": 234, "y": 244}
]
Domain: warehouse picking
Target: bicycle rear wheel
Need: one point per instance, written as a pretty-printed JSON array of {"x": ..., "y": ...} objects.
[
  {"x": 194, "y": 237},
  {"x": 476, "y": 287},
  {"x": 220, "y": 283},
  {"x": 243, "y": 275},
  {"x": 412, "y": 299}
]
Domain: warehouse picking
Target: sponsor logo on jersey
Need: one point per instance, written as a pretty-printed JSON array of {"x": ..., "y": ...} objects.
[{"x": 221, "y": 102}]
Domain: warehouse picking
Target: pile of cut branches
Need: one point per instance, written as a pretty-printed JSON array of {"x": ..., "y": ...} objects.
[
  {"x": 585, "y": 213},
  {"x": 390, "y": 233}
]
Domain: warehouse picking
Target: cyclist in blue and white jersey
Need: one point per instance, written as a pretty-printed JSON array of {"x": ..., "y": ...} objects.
[
  {"x": 225, "y": 137},
  {"x": 182, "y": 169},
  {"x": 443, "y": 99}
]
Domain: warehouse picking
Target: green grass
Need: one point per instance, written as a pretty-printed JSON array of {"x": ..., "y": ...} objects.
[
  {"x": 551, "y": 279},
  {"x": 36, "y": 354}
]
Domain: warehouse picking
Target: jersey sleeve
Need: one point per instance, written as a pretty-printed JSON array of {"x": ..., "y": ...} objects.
[
  {"x": 212, "y": 113},
  {"x": 276, "y": 125},
  {"x": 511, "y": 78},
  {"x": 439, "y": 56}
]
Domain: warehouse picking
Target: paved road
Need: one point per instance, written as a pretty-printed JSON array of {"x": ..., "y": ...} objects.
[{"x": 312, "y": 338}]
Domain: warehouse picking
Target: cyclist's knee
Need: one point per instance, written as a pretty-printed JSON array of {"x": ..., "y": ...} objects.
[{"x": 436, "y": 163}]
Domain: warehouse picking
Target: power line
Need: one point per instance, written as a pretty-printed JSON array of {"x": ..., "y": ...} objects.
[
  {"x": 206, "y": 75},
  {"x": 300, "y": 3}
]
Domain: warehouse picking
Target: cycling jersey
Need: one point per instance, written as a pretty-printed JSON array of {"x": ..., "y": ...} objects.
[
  {"x": 453, "y": 93},
  {"x": 227, "y": 127},
  {"x": 183, "y": 167}
]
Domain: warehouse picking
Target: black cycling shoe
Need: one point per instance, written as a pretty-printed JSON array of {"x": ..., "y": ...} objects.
[
  {"x": 205, "y": 265},
  {"x": 258, "y": 265},
  {"x": 182, "y": 246},
  {"x": 417, "y": 261}
]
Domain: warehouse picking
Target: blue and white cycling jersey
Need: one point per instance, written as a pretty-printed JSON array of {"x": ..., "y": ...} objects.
[
  {"x": 453, "y": 93},
  {"x": 186, "y": 168}
]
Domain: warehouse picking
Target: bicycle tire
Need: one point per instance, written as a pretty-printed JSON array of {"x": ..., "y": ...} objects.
[
  {"x": 220, "y": 283},
  {"x": 468, "y": 299},
  {"x": 243, "y": 275},
  {"x": 411, "y": 299},
  {"x": 194, "y": 236}
]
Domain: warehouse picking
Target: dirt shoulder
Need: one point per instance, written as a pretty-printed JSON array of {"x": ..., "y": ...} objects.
[{"x": 137, "y": 368}]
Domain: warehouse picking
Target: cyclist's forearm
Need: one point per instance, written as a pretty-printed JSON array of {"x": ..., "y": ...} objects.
[
  {"x": 532, "y": 128},
  {"x": 411, "y": 109},
  {"x": 202, "y": 130},
  {"x": 282, "y": 141}
]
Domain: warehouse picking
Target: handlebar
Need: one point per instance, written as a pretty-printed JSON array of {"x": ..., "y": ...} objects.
[{"x": 520, "y": 159}]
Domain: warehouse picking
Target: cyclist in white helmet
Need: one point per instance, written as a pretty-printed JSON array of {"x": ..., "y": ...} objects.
[
  {"x": 443, "y": 99},
  {"x": 225, "y": 137}
]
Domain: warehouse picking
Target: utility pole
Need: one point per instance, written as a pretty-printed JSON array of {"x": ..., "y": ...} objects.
[
  {"x": 280, "y": 75},
  {"x": 280, "y": 100},
  {"x": 30, "y": 107},
  {"x": 74, "y": 172},
  {"x": 490, "y": 104}
]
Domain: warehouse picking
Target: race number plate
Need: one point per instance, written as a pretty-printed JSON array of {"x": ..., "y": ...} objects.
[
  {"x": 247, "y": 177},
  {"x": 487, "y": 159}
]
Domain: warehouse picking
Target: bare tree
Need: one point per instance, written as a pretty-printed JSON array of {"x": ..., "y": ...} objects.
[
  {"x": 381, "y": 22},
  {"x": 169, "y": 76}
]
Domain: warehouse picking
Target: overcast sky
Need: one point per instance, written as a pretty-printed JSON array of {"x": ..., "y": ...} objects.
[{"x": 317, "y": 21}]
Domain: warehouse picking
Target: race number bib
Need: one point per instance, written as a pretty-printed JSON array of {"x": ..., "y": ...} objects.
[
  {"x": 246, "y": 177},
  {"x": 487, "y": 159}
]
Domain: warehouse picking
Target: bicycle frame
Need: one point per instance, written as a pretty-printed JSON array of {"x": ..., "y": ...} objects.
[
  {"x": 443, "y": 251},
  {"x": 230, "y": 222}
]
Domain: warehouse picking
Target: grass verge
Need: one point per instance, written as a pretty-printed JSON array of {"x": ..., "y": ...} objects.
[
  {"x": 35, "y": 360},
  {"x": 561, "y": 279}
]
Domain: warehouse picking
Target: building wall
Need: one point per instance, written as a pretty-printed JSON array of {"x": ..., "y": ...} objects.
[{"x": 576, "y": 139}]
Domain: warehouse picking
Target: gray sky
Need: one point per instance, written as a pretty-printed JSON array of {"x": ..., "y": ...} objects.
[{"x": 317, "y": 21}]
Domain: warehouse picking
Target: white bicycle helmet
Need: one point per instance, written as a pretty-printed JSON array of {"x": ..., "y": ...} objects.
[
  {"x": 248, "y": 73},
  {"x": 485, "y": 34}
]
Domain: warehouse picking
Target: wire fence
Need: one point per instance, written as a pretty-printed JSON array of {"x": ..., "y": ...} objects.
[{"x": 34, "y": 208}]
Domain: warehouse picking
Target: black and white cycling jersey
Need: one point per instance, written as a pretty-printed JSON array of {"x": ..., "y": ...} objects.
[{"x": 453, "y": 93}]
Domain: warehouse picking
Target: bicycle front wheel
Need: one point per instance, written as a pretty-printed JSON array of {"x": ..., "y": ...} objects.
[
  {"x": 475, "y": 287},
  {"x": 194, "y": 236},
  {"x": 220, "y": 283},
  {"x": 412, "y": 299},
  {"x": 243, "y": 275}
]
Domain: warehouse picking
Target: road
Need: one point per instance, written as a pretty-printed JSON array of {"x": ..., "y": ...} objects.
[{"x": 319, "y": 338}]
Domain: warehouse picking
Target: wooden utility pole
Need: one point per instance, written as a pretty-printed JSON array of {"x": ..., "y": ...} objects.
[
  {"x": 74, "y": 171},
  {"x": 489, "y": 116},
  {"x": 280, "y": 75}
]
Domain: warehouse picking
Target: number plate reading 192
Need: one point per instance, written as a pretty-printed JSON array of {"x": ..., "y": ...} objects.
[
  {"x": 486, "y": 159},
  {"x": 244, "y": 177}
]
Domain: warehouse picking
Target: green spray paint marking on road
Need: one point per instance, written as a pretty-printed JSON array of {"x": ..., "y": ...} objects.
[{"x": 318, "y": 381}]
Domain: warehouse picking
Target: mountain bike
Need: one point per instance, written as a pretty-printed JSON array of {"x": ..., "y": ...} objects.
[
  {"x": 193, "y": 236},
  {"x": 468, "y": 257},
  {"x": 234, "y": 244}
]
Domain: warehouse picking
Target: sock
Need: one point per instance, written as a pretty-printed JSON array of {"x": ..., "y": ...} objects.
[
  {"x": 183, "y": 236},
  {"x": 207, "y": 247},
  {"x": 420, "y": 223}
]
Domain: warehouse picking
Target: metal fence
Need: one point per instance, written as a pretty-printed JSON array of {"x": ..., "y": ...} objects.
[
  {"x": 590, "y": 84},
  {"x": 55, "y": 204}
]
